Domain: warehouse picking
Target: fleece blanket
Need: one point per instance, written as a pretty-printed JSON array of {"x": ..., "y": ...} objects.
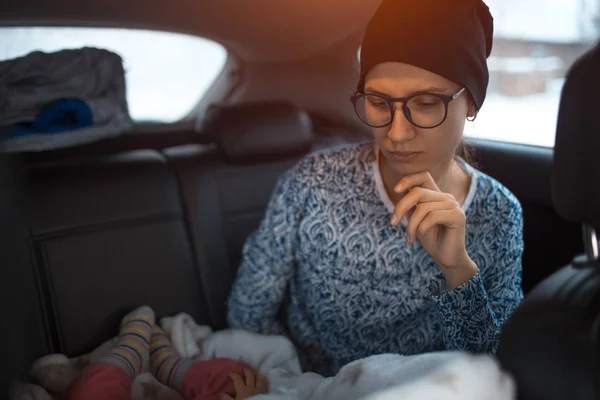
[{"x": 441, "y": 375}]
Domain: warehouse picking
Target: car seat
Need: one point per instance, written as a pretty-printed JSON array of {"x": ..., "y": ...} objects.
[{"x": 551, "y": 344}]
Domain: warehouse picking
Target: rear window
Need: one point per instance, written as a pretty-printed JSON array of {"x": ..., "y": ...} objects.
[{"x": 167, "y": 73}]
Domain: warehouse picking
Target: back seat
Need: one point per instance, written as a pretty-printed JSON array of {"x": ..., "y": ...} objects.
[
  {"x": 108, "y": 233},
  {"x": 226, "y": 187}
]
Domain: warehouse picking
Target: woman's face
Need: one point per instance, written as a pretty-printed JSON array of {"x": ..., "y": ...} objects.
[{"x": 407, "y": 148}]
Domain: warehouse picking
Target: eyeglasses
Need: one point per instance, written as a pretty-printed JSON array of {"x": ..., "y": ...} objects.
[{"x": 424, "y": 110}]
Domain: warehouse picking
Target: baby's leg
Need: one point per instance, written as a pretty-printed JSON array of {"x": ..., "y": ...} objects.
[
  {"x": 110, "y": 377},
  {"x": 193, "y": 379},
  {"x": 101, "y": 381}
]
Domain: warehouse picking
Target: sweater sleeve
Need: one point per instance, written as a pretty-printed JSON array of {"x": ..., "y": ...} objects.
[
  {"x": 473, "y": 314},
  {"x": 268, "y": 260}
]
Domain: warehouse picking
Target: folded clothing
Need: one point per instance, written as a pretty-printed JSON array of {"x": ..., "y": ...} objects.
[
  {"x": 61, "y": 99},
  {"x": 60, "y": 116}
]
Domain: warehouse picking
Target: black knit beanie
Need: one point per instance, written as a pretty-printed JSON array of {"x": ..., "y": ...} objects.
[{"x": 451, "y": 38}]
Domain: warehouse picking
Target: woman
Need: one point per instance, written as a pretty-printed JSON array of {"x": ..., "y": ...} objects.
[{"x": 397, "y": 245}]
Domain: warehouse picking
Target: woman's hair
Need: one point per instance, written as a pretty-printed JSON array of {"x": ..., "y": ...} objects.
[
  {"x": 467, "y": 153},
  {"x": 464, "y": 150}
]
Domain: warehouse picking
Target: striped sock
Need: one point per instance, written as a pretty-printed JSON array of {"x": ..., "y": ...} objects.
[
  {"x": 131, "y": 353},
  {"x": 165, "y": 363}
]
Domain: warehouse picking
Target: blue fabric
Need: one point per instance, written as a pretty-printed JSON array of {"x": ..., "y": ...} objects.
[
  {"x": 60, "y": 116},
  {"x": 356, "y": 288}
]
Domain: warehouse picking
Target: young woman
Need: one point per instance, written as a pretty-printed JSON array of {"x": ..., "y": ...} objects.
[{"x": 397, "y": 245}]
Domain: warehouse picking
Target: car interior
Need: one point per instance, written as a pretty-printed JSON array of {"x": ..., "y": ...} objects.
[{"x": 167, "y": 207}]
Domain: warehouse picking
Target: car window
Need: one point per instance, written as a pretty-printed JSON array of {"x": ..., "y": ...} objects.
[
  {"x": 166, "y": 73},
  {"x": 535, "y": 43}
]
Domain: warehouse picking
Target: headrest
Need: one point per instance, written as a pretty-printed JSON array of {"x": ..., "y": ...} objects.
[
  {"x": 576, "y": 170},
  {"x": 262, "y": 132}
]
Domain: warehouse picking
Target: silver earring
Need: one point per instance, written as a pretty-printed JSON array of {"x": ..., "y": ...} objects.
[{"x": 472, "y": 119}]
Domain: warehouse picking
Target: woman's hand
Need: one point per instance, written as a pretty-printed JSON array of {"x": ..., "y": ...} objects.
[
  {"x": 252, "y": 385},
  {"x": 438, "y": 222}
]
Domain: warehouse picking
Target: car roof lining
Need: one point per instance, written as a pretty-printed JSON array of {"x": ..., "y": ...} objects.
[{"x": 257, "y": 30}]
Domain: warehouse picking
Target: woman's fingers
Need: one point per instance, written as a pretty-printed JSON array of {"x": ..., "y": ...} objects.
[
  {"x": 422, "y": 211},
  {"x": 422, "y": 179},
  {"x": 446, "y": 218},
  {"x": 416, "y": 196}
]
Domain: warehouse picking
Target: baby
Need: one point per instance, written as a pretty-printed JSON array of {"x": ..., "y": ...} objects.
[{"x": 143, "y": 346}]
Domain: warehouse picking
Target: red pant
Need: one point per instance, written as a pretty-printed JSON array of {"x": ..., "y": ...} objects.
[
  {"x": 100, "y": 381},
  {"x": 204, "y": 380}
]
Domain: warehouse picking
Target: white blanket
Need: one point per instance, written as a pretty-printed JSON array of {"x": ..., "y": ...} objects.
[{"x": 441, "y": 375}]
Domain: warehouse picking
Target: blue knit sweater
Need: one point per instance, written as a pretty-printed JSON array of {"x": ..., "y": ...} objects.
[{"x": 356, "y": 288}]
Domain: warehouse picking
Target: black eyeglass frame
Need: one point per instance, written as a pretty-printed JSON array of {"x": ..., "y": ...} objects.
[{"x": 446, "y": 99}]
